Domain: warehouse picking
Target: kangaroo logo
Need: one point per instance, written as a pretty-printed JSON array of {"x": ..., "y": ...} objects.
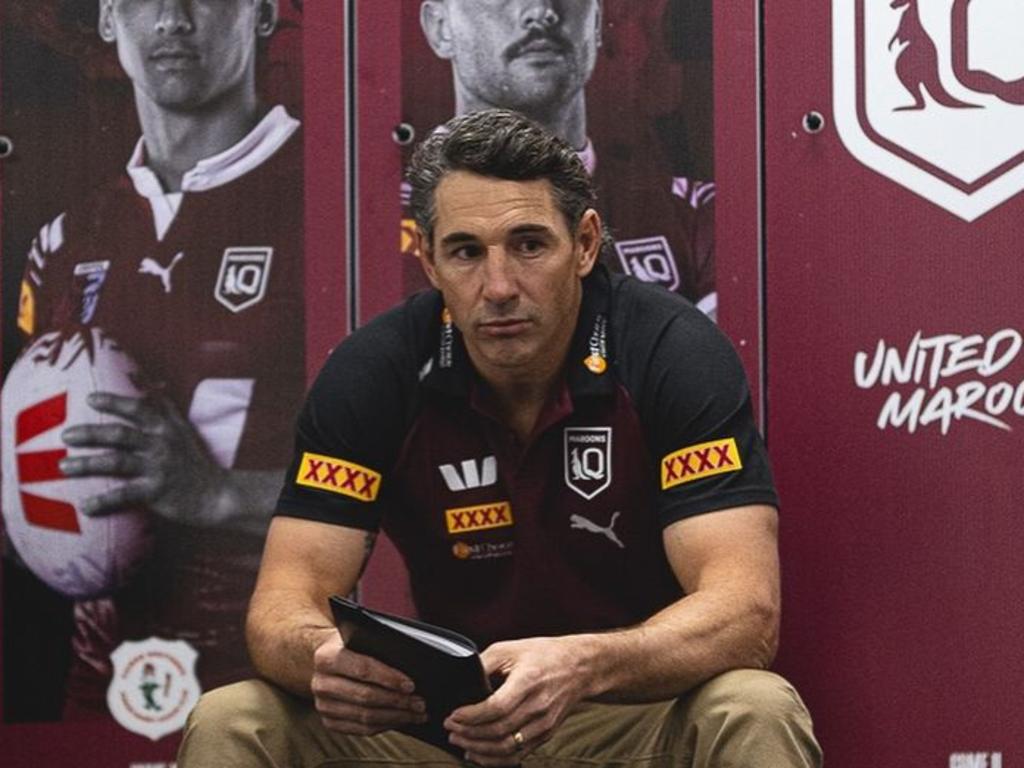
[
  {"x": 150, "y": 266},
  {"x": 588, "y": 459},
  {"x": 930, "y": 95},
  {"x": 917, "y": 64},
  {"x": 580, "y": 522}
]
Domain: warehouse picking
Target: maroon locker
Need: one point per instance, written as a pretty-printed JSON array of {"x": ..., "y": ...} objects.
[
  {"x": 895, "y": 227},
  {"x": 308, "y": 46}
]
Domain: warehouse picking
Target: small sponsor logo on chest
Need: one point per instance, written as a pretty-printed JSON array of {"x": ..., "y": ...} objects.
[
  {"x": 480, "y": 517},
  {"x": 588, "y": 459},
  {"x": 649, "y": 259},
  {"x": 470, "y": 473},
  {"x": 242, "y": 280}
]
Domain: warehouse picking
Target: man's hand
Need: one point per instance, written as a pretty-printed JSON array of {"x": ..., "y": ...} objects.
[
  {"x": 544, "y": 679},
  {"x": 359, "y": 695},
  {"x": 164, "y": 462}
]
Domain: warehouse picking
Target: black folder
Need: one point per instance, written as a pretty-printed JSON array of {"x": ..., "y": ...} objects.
[{"x": 444, "y": 665}]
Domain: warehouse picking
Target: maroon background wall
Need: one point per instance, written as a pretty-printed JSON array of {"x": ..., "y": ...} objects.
[
  {"x": 901, "y": 551},
  {"x": 901, "y": 555}
]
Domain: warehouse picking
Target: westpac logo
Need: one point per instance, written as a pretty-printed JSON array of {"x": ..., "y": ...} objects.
[
  {"x": 470, "y": 474},
  {"x": 930, "y": 93},
  {"x": 337, "y": 476}
]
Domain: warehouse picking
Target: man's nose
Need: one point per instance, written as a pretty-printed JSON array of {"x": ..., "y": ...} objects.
[
  {"x": 540, "y": 13},
  {"x": 500, "y": 285},
  {"x": 174, "y": 17}
]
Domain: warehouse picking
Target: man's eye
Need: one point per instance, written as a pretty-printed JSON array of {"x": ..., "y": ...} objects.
[
  {"x": 465, "y": 252},
  {"x": 530, "y": 246}
]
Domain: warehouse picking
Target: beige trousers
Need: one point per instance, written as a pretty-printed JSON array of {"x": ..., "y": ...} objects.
[{"x": 740, "y": 719}]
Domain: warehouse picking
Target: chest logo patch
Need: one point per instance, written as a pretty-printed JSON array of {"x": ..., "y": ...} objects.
[
  {"x": 588, "y": 459},
  {"x": 470, "y": 474},
  {"x": 608, "y": 531},
  {"x": 337, "y": 476},
  {"x": 649, "y": 259},
  {"x": 699, "y": 461},
  {"x": 150, "y": 266},
  {"x": 496, "y": 514},
  {"x": 89, "y": 277},
  {"x": 243, "y": 276}
]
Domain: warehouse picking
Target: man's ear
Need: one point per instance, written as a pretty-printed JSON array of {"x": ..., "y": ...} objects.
[
  {"x": 266, "y": 20},
  {"x": 107, "y": 30},
  {"x": 436, "y": 27},
  {"x": 426, "y": 256},
  {"x": 598, "y": 19},
  {"x": 589, "y": 238}
]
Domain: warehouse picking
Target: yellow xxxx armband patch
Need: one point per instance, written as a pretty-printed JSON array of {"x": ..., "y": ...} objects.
[
  {"x": 338, "y": 476},
  {"x": 699, "y": 461}
]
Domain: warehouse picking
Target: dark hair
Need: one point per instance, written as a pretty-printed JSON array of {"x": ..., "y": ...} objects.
[{"x": 501, "y": 144}]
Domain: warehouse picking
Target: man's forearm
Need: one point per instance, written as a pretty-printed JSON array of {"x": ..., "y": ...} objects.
[
  {"x": 685, "y": 644},
  {"x": 283, "y": 633},
  {"x": 304, "y": 562}
]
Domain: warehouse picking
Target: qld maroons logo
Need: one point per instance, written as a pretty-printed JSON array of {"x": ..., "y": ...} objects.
[{"x": 930, "y": 93}]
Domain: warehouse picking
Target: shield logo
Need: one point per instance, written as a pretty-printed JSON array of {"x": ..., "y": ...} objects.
[
  {"x": 154, "y": 686},
  {"x": 649, "y": 259},
  {"x": 930, "y": 93},
  {"x": 242, "y": 280},
  {"x": 588, "y": 459}
]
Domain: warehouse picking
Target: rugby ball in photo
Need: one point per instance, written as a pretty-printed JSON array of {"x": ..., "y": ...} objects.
[{"x": 44, "y": 394}]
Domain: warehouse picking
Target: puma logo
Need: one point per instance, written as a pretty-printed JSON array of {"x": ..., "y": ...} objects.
[
  {"x": 578, "y": 521},
  {"x": 150, "y": 266}
]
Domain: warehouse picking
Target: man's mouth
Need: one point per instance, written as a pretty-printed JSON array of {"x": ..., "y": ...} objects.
[
  {"x": 539, "y": 46},
  {"x": 174, "y": 56},
  {"x": 511, "y": 326}
]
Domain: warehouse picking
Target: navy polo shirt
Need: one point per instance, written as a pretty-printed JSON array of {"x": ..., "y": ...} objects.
[{"x": 652, "y": 424}]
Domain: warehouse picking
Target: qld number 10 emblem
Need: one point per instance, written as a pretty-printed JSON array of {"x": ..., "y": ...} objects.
[
  {"x": 588, "y": 459},
  {"x": 242, "y": 280}
]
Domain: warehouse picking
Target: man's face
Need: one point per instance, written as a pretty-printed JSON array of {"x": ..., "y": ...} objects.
[
  {"x": 185, "y": 54},
  {"x": 528, "y": 55},
  {"x": 509, "y": 269}
]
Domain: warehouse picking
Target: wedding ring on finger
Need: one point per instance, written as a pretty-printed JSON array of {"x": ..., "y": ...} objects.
[{"x": 519, "y": 739}]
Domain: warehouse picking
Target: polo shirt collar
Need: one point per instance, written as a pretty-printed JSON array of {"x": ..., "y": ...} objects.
[
  {"x": 253, "y": 149},
  {"x": 587, "y": 373}
]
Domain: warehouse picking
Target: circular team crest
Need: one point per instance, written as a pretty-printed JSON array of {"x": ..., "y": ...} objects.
[{"x": 154, "y": 686}]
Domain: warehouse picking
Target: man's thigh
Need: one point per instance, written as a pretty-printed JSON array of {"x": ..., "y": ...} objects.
[
  {"x": 254, "y": 724},
  {"x": 739, "y": 718}
]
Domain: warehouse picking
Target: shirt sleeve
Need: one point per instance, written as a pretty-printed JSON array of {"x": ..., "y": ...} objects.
[
  {"x": 694, "y": 402},
  {"x": 350, "y": 430},
  {"x": 33, "y": 299}
]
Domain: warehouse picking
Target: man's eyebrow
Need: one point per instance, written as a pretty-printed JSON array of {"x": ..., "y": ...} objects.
[
  {"x": 532, "y": 229},
  {"x": 458, "y": 237}
]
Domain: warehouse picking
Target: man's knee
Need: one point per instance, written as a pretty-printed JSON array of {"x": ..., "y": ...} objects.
[
  {"x": 749, "y": 692},
  {"x": 753, "y": 712},
  {"x": 230, "y": 719}
]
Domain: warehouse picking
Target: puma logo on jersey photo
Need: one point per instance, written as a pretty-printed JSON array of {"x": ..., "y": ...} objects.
[
  {"x": 150, "y": 266},
  {"x": 471, "y": 475},
  {"x": 582, "y": 523}
]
